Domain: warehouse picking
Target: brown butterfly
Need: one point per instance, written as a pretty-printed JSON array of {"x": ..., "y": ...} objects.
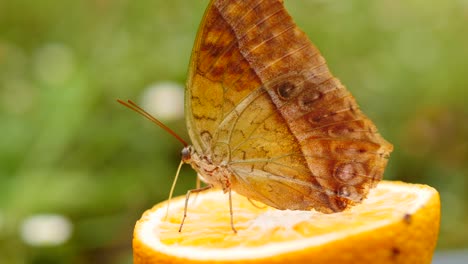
[{"x": 268, "y": 120}]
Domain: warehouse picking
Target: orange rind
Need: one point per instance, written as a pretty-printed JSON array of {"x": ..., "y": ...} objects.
[{"x": 397, "y": 223}]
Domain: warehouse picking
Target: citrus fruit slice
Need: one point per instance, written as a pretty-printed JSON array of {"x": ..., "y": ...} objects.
[{"x": 397, "y": 223}]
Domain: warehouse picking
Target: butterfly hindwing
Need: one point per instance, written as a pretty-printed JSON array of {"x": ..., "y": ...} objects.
[{"x": 261, "y": 98}]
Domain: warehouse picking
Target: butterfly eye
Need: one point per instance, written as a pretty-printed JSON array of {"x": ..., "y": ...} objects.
[{"x": 186, "y": 154}]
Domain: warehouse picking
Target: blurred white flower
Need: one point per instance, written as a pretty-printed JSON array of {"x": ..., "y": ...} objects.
[
  {"x": 46, "y": 230},
  {"x": 164, "y": 100},
  {"x": 54, "y": 63}
]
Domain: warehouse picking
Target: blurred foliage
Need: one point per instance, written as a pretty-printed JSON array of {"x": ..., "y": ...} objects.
[{"x": 66, "y": 146}]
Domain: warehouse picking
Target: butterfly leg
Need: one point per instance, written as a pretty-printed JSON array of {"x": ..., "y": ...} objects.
[
  {"x": 198, "y": 182},
  {"x": 230, "y": 211},
  {"x": 187, "y": 196},
  {"x": 197, "y": 186}
]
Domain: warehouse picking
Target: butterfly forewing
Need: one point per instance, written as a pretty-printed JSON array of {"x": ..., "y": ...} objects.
[
  {"x": 219, "y": 78},
  {"x": 261, "y": 99}
]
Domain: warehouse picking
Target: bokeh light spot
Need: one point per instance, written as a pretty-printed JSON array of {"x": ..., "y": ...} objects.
[
  {"x": 46, "y": 230},
  {"x": 164, "y": 100},
  {"x": 54, "y": 63}
]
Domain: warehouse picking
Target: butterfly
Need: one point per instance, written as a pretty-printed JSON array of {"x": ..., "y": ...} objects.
[{"x": 268, "y": 120}]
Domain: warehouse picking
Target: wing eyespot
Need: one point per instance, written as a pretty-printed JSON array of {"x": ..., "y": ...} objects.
[
  {"x": 286, "y": 90},
  {"x": 349, "y": 173},
  {"x": 307, "y": 100}
]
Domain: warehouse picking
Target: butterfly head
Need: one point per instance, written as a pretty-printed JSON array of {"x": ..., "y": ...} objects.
[{"x": 187, "y": 153}]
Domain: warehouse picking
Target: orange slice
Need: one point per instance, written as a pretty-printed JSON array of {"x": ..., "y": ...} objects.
[{"x": 397, "y": 223}]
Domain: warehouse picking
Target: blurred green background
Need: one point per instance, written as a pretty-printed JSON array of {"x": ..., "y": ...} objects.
[{"x": 77, "y": 169}]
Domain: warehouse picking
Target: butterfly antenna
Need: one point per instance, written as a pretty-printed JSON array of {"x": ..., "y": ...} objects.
[{"x": 132, "y": 105}]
